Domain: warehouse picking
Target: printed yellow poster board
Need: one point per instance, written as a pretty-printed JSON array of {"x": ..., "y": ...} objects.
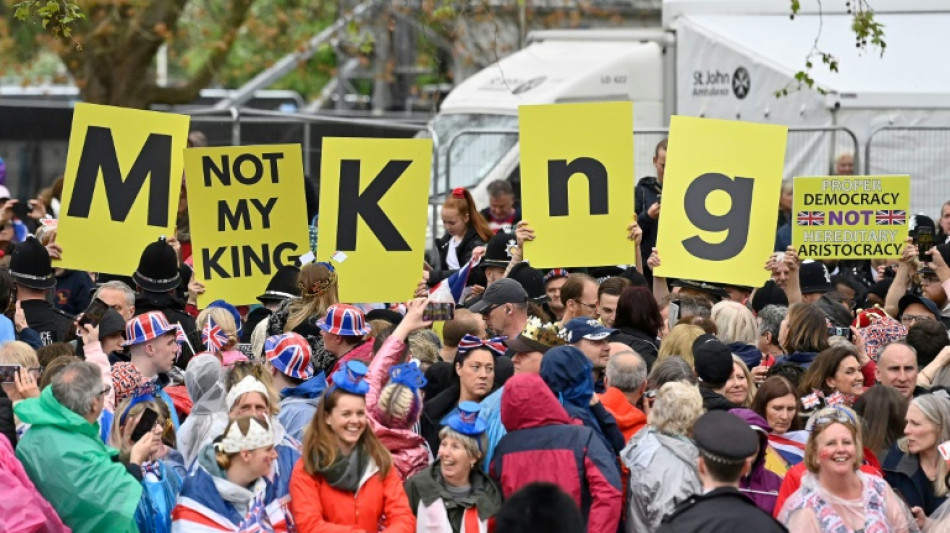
[
  {"x": 248, "y": 217},
  {"x": 121, "y": 186},
  {"x": 850, "y": 217},
  {"x": 577, "y": 183},
  {"x": 720, "y": 198},
  {"x": 373, "y": 205}
]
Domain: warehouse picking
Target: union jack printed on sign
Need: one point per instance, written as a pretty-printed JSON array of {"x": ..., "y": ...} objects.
[
  {"x": 811, "y": 218},
  {"x": 890, "y": 218}
]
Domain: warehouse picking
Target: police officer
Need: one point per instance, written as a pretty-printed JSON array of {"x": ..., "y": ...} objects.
[
  {"x": 32, "y": 274},
  {"x": 157, "y": 279},
  {"x": 727, "y": 446}
]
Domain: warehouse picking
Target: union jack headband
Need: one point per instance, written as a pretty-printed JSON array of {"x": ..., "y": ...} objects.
[{"x": 470, "y": 342}]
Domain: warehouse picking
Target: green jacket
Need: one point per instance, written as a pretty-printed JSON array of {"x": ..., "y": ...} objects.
[
  {"x": 74, "y": 470},
  {"x": 428, "y": 488}
]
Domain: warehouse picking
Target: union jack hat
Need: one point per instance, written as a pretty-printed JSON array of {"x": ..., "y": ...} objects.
[
  {"x": 289, "y": 353},
  {"x": 344, "y": 320},
  {"x": 146, "y": 327},
  {"x": 465, "y": 420},
  {"x": 555, "y": 274}
]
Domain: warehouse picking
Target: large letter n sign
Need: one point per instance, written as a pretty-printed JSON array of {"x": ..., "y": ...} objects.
[
  {"x": 121, "y": 187},
  {"x": 373, "y": 205}
]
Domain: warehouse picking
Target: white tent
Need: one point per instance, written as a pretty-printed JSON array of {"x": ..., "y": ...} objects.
[{"x": 733, "y": 55}]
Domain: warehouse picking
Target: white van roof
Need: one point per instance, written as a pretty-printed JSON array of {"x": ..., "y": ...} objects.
[{"x": 560, "y": 71}]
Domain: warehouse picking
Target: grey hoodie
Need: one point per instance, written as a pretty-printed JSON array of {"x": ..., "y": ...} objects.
[{"x": 238, "y": 496}]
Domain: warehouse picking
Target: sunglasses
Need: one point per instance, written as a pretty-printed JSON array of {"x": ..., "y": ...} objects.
[{"x": 830, "y": 415}]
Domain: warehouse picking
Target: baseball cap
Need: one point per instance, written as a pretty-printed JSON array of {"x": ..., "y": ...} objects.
[
  {"x": 586, "y": 328},
  {"x": 501, "y": 292}
]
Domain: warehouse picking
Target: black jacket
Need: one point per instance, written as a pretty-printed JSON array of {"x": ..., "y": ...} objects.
[
  {"x": 722, "y": 510},
  {"x": 7, "y": 423},
  {"x": 52, "y": 324},
  {"x": 463, "y": 251},
  {"x": 640, "y": 342},
  {"x": 647, "y": 193},
  {"x": 903, "y": 473},
  {"x": 712, "y": 400},
  {"x": 169, "y": 304}
]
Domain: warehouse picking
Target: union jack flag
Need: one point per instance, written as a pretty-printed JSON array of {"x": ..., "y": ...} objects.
[
  {"x": 839, "y": 398},
  {"x": 890, "y": 218},
  {"x": 811, "y": 401},
  {"x": 811, "y": 218},
  {"x": 212, "y": 336},
  {"x": 255, "y": 521}
]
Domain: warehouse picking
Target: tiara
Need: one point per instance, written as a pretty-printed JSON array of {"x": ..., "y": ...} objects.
[
  {"x": 320, "y": 288},
  {"x": 258, "y": 436},
  {"x": 545, "y": 333}
]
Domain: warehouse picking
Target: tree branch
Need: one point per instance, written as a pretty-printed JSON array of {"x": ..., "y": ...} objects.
[{"x": 188, "y": 91}]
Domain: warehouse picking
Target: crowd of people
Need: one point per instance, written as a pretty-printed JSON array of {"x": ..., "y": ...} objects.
[{"x": 602, "y": 399}]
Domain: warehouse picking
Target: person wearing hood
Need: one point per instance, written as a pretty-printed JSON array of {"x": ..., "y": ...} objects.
[
  {"x": 567, "y": 371},
  {"x": 345, "y": 480},
  {"x": 344, "y": 331},
  {"x": 22, "y": 507},
  {"x": 662, "y": 452},
  {"x": 726, "y": 445},
  {"x": 475, "y": 366},
  {"x": 760, "y": 484},
  {"x": 394, "y": 399},
  {"x": 737, "y": 329},
  {"x": 714, "y": 367},
  {"x": 228, "y": 490},
  {"x": 157, "y": 281},
  {"x": 160, "y": 480},
  {"x": 803, "y": 334},
  {"x": 288, "y": 361},
  {"x": 542, "y": 445},
  {"x": 209, "y": 416},
  {"x": 66, "y": 459},
  {"x": 454, "y": 490}
]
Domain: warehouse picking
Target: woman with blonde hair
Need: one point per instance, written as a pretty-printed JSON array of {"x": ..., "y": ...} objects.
[
  {"x": 224, "y": 320},
  {"x": 740, "y": 389},
  {"x": 737, "y": 329},
  {"x": 318, "y": 286},
  {"x": 914, "y": 466},
  {"x": 24, "y": 383},
  {"x": 679, "y": 341},
  {"x": 161, "y": 470},
  {"x": 345, "y": 480},
  {"x": 229, "y": 489},
  {"x": 835, "y": 495},
  {"x": 395, "y": 398}
]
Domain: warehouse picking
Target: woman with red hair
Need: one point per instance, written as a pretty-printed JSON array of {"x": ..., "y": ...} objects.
[{"x": 465, "y": 230}]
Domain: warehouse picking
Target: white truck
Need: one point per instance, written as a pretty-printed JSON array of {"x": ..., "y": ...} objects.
[{"x": 723, "y": 59}]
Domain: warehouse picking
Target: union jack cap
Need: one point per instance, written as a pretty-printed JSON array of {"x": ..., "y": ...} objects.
[
  {"x": 289, "y": 353},
  {"x": 554, "y": 274},
  {"x": 465, "y": 420},
  {"x": 345, "y": 320},
  {"x": 146, "y": 327}
]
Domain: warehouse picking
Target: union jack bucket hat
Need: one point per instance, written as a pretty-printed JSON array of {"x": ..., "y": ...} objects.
[
  {"x": 146, "y": 327},
  {"x": 289, "y": 353},
  {"x": 344, "y": 320}
]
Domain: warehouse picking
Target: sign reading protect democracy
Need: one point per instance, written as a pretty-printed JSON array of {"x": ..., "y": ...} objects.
[
  {"x": 120, "y": 187},
  {"x": 248, "y": 217},
  {"x": 850, "y": 217}
]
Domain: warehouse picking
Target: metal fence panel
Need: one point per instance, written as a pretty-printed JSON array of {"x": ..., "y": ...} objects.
[{"x": 918, "y": 151}]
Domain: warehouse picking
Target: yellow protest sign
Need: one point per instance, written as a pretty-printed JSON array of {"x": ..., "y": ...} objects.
[
  {"x": 850, "y": 217},
  {"x": 577, "y": 183},
  {"x": 248, "y": 217},
  {"x": 373, "y": 199},
  {"x": 121, "y": 186},
  {"x": 720, "y": 198}
]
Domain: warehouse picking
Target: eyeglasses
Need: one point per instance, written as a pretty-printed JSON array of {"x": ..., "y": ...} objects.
[
  {"x": 105, "y": 390},
  {"x": 592, "y": 307},
  {"x": 830, "y": 415},
  {"x": 488, "y": 310},
  {"x": 650, "y": 395},
  {"x": 908, "y": 320}
]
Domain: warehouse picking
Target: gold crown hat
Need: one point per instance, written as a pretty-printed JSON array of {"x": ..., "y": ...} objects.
[
  {"x": 536, "y": 336},
  {"x": 258, "y": 436}
]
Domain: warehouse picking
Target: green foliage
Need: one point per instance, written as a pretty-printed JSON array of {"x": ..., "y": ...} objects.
[
  {"x": 867, "y": 31},
  {"x": 56, "y": 16}
]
